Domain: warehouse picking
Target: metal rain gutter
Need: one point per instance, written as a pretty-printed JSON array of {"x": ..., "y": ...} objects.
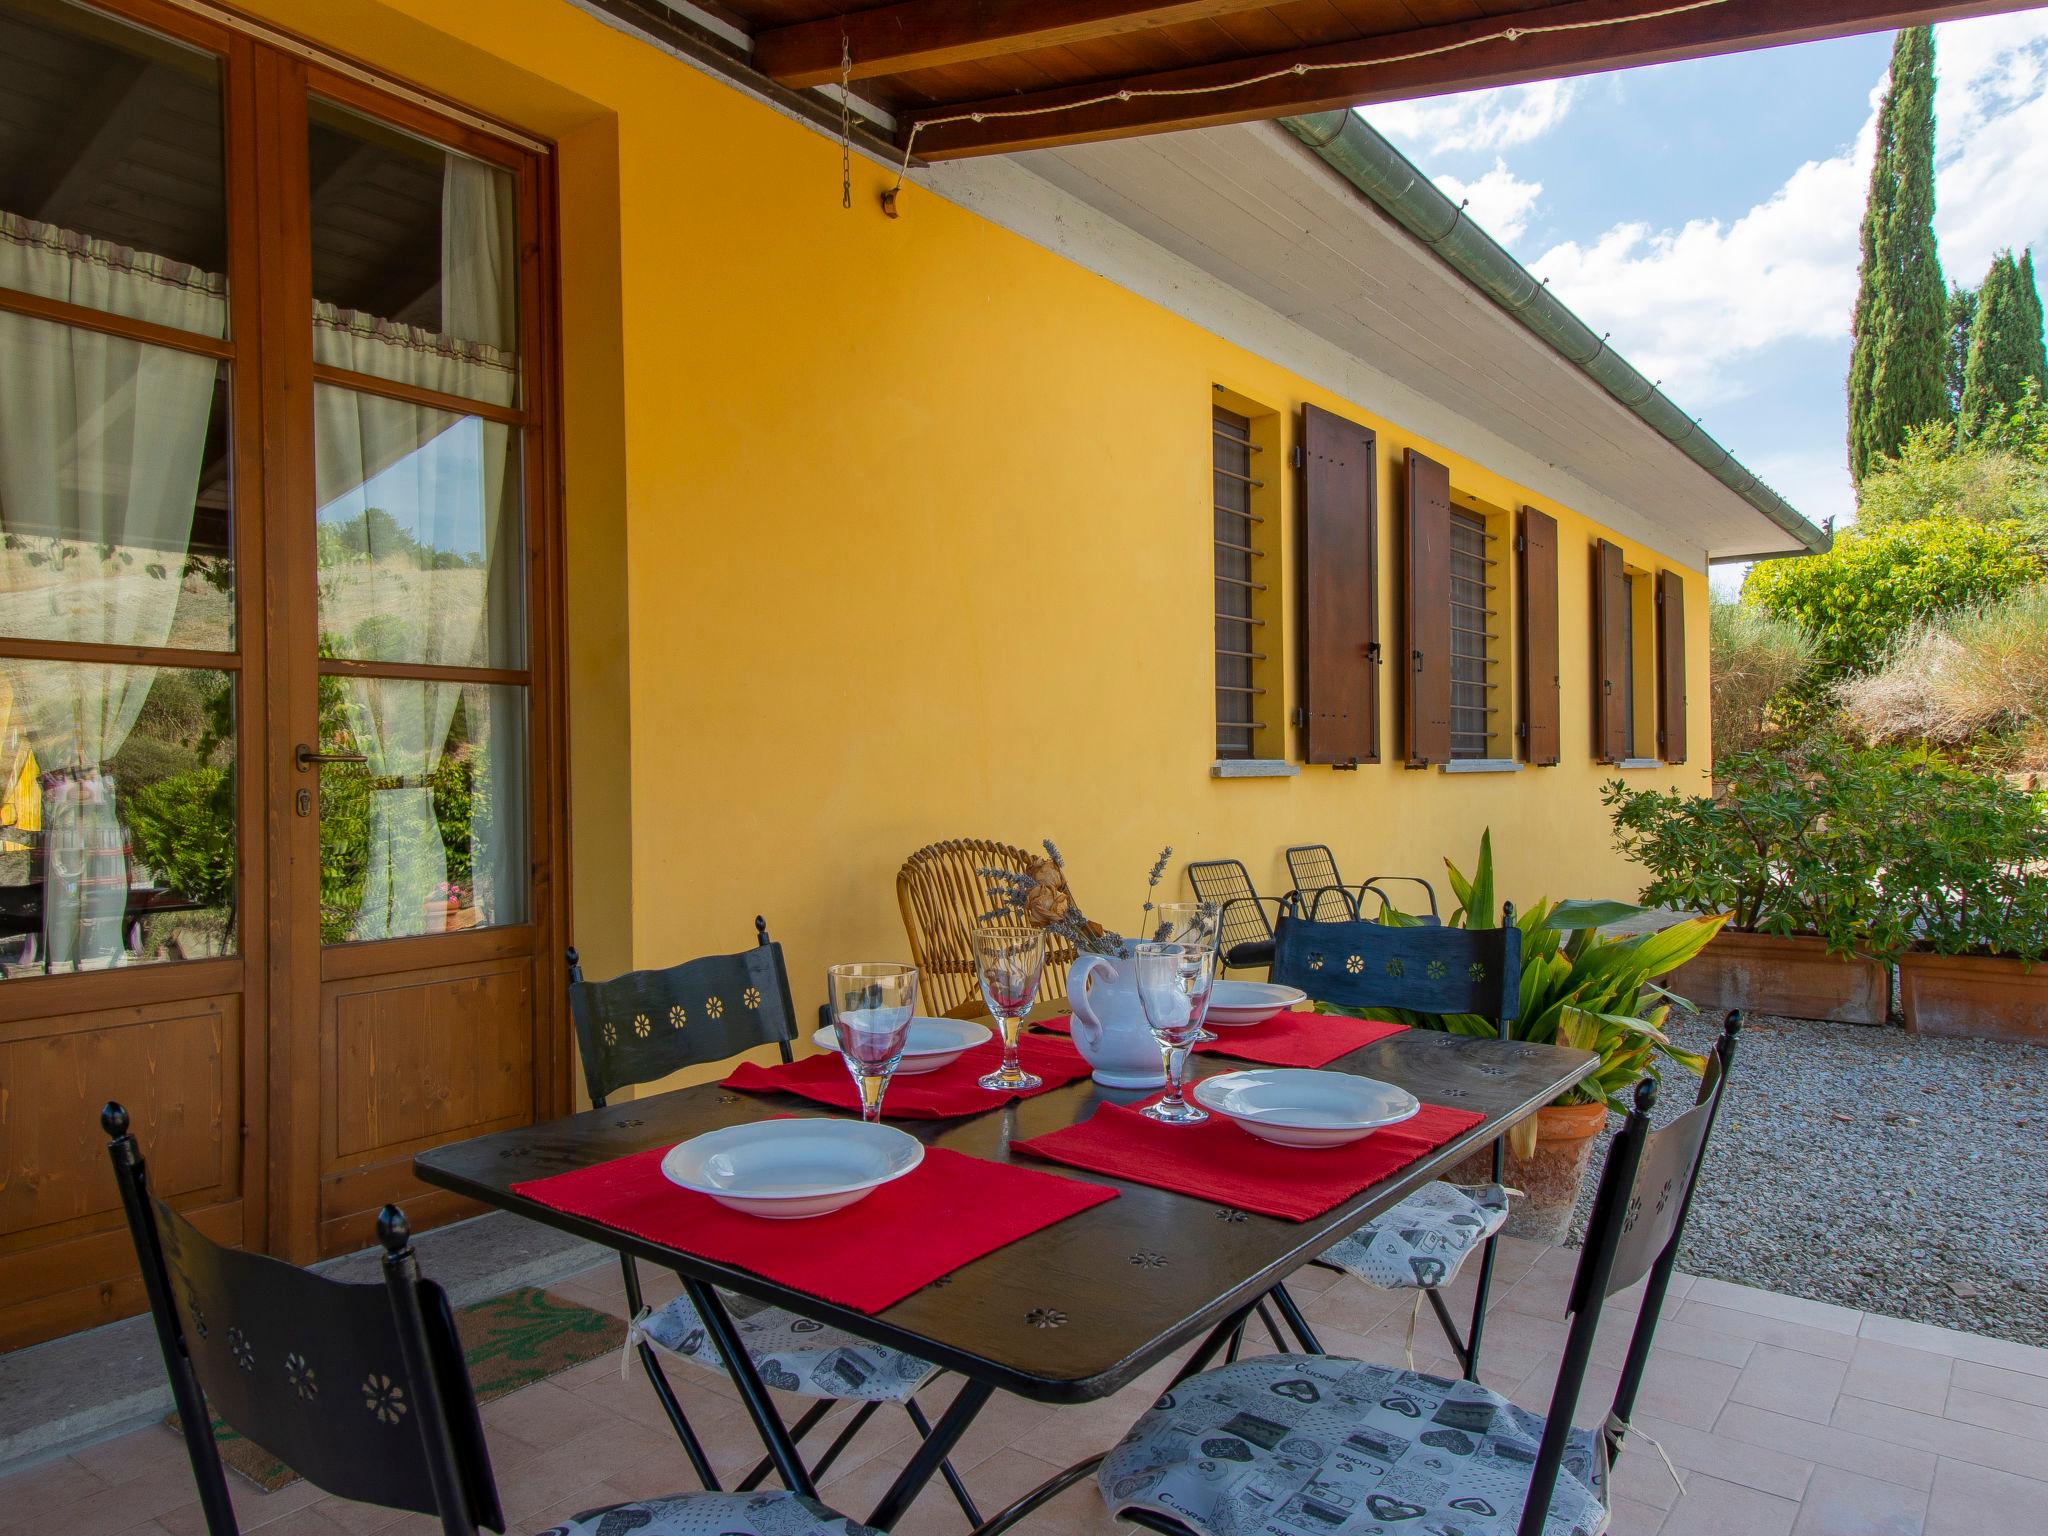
[{"x": 1358, "y": 153}]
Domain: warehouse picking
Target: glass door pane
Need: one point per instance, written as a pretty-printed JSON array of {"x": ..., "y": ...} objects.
[
  {"x": 415, "y": 272},
  {"x": 117, "y": 815},
  {"x": 112, "y": 188},
  {"x": 418, "y": 536}
]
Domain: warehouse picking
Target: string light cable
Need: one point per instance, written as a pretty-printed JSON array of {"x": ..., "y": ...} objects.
[{"x": 1508, "y": 34}]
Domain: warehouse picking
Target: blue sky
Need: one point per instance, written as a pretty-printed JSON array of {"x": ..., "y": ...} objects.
[{"x": 1706, "y": 213}]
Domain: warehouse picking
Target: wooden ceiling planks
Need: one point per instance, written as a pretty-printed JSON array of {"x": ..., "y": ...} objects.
[{"x": 930, "y": 63}]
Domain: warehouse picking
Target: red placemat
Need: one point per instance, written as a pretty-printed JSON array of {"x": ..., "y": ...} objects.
[
  {"x": 1287, "y": 1039},
  {"x": 948, "y": 1211},
  {"x": 1218, "y": 1161},
  {"x": 941, "y": 1095}
]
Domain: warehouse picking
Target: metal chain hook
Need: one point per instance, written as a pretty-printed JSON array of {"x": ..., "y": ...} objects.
[{"x": 845, "y": 120}]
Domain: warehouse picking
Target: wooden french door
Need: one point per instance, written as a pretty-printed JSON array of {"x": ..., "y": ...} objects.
[{"x": 281, "y": 812}]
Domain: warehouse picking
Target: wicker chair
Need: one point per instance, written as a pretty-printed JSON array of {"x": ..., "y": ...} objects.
[{"x": 944, "y": 896}]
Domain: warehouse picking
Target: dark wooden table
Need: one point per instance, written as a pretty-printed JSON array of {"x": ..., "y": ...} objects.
[{"x": 1069, "y": 1314}]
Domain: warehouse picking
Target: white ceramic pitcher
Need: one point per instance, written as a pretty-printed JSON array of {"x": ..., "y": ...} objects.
[{"x": 1109, "y": 1023}]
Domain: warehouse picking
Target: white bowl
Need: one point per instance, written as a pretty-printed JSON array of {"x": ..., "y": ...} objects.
[
  {"x": 788, "y": 1169},
  {"x": 931, "y": 1044},
  {"x": 1233, "y": 1004},
  {"x": 1297, "y": 1107}
]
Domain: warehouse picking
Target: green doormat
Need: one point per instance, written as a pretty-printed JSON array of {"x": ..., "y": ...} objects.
[{"x": 510, "y": 1341}]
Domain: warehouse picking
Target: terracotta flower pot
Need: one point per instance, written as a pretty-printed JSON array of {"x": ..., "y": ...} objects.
[
  {"x": 1795, "y": 977},
  {"x": 1549, "y": 1178}
]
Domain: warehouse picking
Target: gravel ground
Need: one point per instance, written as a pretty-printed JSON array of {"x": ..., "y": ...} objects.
[{"x": 1897, "y": 1173}]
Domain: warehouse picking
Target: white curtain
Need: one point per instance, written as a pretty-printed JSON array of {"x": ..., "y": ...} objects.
[
  {"x": 452, "y": 471},
  {"x": 101, "y": 448}
]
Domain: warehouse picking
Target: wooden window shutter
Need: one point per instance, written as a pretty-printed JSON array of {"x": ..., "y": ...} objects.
[
  {"x": 1671, "y": 666},
  {"x": 1610, "y": 655},
  {"x": 1426, "y": 614},
  {"x": 1340, "y": 606},
  {"x": 1536, "y": 551}
]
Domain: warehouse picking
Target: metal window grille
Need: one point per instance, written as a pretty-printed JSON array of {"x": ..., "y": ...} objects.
[
  {"x": 1238, "y": 548},
  {"x": 1473, "y": 688}
]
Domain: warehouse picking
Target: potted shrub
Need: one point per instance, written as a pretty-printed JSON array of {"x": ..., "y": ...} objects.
[
  {"x": 1583, "y": 989},
  {"x": 1968, "y": 872},
  {"x": 1788, "y": 848}
]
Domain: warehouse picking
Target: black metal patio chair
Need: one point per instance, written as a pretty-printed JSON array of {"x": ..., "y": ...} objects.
[
  {"x": 360, "y": 1389},
  {"x": 644, "y": 1025},
  {"x": 1421, "y": 1243},
  {"x": 1247, "y": 933},
  {"x": 1314, "y": 870},
  {"x": 1390, "y": 1447}
]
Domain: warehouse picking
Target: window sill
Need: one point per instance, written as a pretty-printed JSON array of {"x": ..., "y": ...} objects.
[
  {"x": 1638, "y": 762},
  {"x": 1480, "y": 765},
  {"x": 1252, "y": 768}
]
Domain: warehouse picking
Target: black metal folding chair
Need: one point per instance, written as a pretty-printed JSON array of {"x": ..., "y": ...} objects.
[
  {"x": 360, "y": 1389},
  {"x": 1421, "y": 1243},
  {"x": 1390, "y": 1447},
  {"x": 645, "y": 1025},
  {"x": 1247, "y": 933}
]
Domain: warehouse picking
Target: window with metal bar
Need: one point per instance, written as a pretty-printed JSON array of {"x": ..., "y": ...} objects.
[
  {"x": 1238, "y": 550},
  {"x": 1474, "y": 653}
]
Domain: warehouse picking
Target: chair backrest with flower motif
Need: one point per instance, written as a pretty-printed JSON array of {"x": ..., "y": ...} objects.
[
  {"x": 360, "y": 1389},
  {"x": 944, "y": 896},
  {"x": 645, "y": 1025}
]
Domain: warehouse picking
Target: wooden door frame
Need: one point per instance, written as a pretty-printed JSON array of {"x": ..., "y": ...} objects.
[
  {"x": 278, "y": 1124},
  {"x": 297, "y": 1080}
]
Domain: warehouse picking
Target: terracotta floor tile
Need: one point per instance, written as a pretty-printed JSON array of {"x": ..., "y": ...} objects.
[
  {"x": 1791, "y": 1309},
  {"x": 1825, "y": 1444},
  {"x": 1791, "y": 1382},
  {"x": 1712, "y": 1507},
  {"x": 1829, "y": 1343},
  {"x": 2003, "y": 1353},
  {"x": 1629, "y": 1518},
  {"x": 1755, "y": 1467},
  {"x": 2016, "y": 1386},
  {"x": 1995, "y": 1411},
  {"x": 1905, "y": 1378},
  {"x": 1971, "y": 1500},
  {"x": 1839, "y": 1503},
  {"x": 1945, "y": 1437}
]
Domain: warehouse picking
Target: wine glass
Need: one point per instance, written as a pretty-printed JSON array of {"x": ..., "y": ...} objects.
[
  {"x": 1173, "y": 988},
  {"x": 872, "y": 1005},
  {"x": 1190, "y": 922},
  {"x": 1009, "y": 962}
]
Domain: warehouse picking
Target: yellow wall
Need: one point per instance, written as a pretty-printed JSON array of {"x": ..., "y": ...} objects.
[{"x": 881, "y": 532}]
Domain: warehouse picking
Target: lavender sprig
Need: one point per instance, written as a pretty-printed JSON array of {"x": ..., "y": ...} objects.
[{"x": 1152, "y": 884}]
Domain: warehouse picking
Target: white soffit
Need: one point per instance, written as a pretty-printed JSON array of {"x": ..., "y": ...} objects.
[{"x": 1342, "y": 295}]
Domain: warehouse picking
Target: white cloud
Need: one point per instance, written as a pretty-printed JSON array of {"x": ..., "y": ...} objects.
[
  {"x": 1477, "y": 120},
  {"x": 1696, "y": 304},
  {"x": 1500, "y": 202}
]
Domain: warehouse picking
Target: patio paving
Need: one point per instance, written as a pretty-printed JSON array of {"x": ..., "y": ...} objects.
[{"x": 1786, "y": 1417}]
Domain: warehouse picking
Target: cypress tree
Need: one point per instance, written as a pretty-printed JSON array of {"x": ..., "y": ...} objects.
[
  {"x": 2005, "y": 347},
  {"x": 1962, "y": 309},
  {"x": 1898, "y": 367}
]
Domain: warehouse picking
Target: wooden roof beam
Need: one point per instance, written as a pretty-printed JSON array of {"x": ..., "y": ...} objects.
[
  {"x": 924, "y": 34},
  {"x": 1385, "y": 68}
]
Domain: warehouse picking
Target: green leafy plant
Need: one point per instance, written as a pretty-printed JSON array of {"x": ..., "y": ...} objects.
[
  {"x": 1877, "y": 850},
  {"x": 1858, "y": 599},
  {"x": 1579, "y": 987},
  {"x": 1787, "y": 845},
  {"x": 1966, "y": 861}
]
